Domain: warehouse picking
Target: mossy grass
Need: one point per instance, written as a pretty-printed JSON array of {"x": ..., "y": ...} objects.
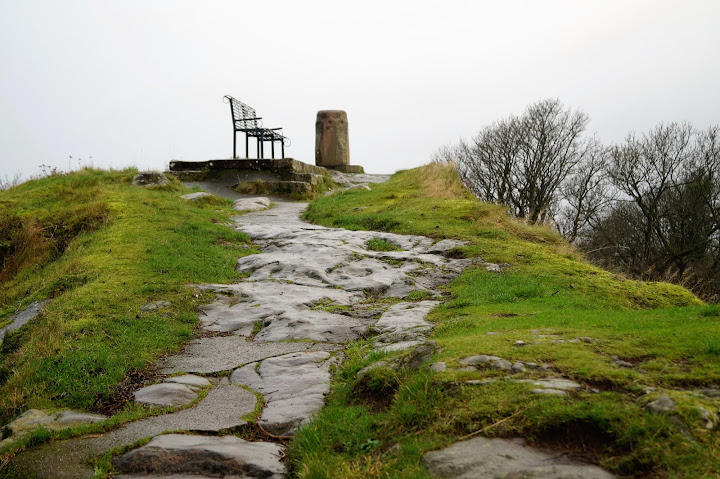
[
  {"x": 138, "y": 245},
  {"x": 547, "y": 293}
]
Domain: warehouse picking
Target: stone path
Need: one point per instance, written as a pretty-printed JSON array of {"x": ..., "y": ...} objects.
[
  {"x": 278, "y": 332},
  {"x": 311, "y": 290}
]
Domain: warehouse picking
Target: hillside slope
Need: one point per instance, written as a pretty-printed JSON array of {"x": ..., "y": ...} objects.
[
  {"x": 101, "y": 249},
  {"x": 627, "y": 343}
]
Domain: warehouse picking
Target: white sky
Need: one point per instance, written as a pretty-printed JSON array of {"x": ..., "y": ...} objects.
[{"x": 141, "y": 82}]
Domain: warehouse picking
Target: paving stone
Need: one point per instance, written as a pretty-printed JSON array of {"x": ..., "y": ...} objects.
[
  {"x": 350, "y": 179},
  {"x": 709, "y": 418},
  {"x": 370, "y": 367},
  {"x": 202, "y": 455},
  {"x": 73, "y": 418},
  {"x": 156, "y": 305},
  {"x": 332, "y": 257},
  {"x": 712, "y": 392},
  {"x": 480, "y": 382},
  {"x": 444, "y": 246},
  {"x": 421, "y": 354},
  {"x": 18, "y": 320},
  {"x": 195, "y": 196},
  {"x": 621, "y": 364},
  {"x": 221, "y": 409},
  {"x": 438, "y": 367},
  {"x": 33, "y": 419},
  {"x": 501, "y": 364},
  {"x": 166, "y": 394},
  {"x": 479, "y": 359},
  {"x": 150, "y": 178},
  {"x": 518, "y": 367},
  {"x": 506, "y": 458},
  {"x": 251, "y": 204},
  {"x": 289, "y": 316},
  {"x": 392, "y": 347},
  {"x": 224, "y": 353},
  {"x": 551, "y": 383},
  {"x": 406, "y": 316},
  {"x": 294, "y": 386},
  {"x": 190, "y": 380},
  {"x": 661, "y": 405}
]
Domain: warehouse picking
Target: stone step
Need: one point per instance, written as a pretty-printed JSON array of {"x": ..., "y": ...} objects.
[{"x": 203, "y": 456}]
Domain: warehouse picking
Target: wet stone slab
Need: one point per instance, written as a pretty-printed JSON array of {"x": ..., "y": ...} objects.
[
  {"x": 224, "y": 353},
  {"x": 294, "y": 386},
  {"x": 20, "y": 319},
  {"x": 289, "y": 316},
  {"x": 506, "y": 458},
  {"x": 333, "y": 257},
  {"x": 204, "y": 456}
]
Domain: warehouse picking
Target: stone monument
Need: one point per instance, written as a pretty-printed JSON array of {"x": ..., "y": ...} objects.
[{"x": 332, "y": 145}]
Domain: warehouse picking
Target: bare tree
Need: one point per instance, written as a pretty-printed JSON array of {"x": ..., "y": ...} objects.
[
  {"x": 585, "y": 195},
  {"x": 664, "y": 222},
  {"x": 487, "y": 164},
  {"x": 522, "y": 161}
]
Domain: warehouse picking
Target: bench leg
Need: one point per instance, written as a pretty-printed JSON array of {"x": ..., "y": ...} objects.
[
  {"x": 247, "y": 146},
  {"x": 272, "y": 147},
  {"x": 282, "y": 146},
  {"x": 234, "y": 142}
]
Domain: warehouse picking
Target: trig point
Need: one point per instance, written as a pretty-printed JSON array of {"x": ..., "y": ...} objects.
[{"x": 332, "y": 144}]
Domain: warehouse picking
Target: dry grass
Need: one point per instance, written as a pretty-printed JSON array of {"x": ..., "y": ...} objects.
[{"x": 441, "y": 180}]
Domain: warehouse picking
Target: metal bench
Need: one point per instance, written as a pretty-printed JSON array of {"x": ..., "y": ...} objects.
[{"x": 245, "y": 119}]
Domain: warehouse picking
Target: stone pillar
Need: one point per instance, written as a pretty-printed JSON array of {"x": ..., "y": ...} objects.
[{"x": 332, "y": 147}]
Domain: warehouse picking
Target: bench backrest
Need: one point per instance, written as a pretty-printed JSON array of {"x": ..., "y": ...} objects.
[{"x": 244, "y": 116}]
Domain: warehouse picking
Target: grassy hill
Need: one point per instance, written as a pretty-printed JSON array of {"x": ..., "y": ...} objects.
[
  {"x": 380, "y": 426},
  {"x": 101, "y": 249}
]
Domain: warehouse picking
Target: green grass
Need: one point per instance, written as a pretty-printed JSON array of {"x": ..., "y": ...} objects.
[
  {"x": 370, "y": 429},
  {"x": 381, "y": 244},
  {"x": 136, "y": 245}
]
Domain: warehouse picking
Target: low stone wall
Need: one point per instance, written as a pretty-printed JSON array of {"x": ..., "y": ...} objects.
[{"x": 284, "y": 177}]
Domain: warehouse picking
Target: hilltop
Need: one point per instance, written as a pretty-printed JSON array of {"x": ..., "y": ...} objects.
[{"x": 528, "y": 306}]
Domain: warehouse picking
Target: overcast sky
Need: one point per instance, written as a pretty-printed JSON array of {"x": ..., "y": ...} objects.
[{"x": 141, "y": 82}]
